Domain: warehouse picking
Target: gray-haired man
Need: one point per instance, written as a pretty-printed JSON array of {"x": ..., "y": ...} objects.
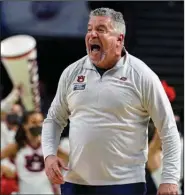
[{"x": 109, "y": 97}]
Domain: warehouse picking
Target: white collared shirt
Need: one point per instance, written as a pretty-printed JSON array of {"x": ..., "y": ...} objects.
[{"x": 109, "y": 122}]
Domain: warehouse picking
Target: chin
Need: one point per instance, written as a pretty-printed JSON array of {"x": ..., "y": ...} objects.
[{"x": 95, "y": 61}]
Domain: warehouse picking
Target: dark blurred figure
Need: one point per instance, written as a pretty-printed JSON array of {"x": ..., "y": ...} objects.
[{"x": 12, "y": 122}]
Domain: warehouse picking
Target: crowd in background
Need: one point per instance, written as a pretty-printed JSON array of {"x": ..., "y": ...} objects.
[{"x": 22, "y": 162}]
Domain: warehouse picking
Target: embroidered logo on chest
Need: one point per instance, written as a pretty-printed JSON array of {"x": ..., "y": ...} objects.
[
  {"x": 80, "y": 83},
  {"x": 81, "y": 79}
]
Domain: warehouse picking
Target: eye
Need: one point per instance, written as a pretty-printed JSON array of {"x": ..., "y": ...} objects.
[
  {"x": 89, "y": 30},
  {"x": 101, "y": 30}
]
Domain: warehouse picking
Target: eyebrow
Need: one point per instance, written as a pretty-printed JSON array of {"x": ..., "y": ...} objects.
[{"x": 99, "y": 26}]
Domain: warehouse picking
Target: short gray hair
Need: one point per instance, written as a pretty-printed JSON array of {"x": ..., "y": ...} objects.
[{"x": 117, "y": 18}]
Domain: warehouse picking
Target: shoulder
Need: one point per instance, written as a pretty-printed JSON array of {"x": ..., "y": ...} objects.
[
  {"x": 75, "y": 67},
  {"x": 141, "y": 69},
  {"x": 13, "y": 146},
  {"x": 70, "y": 73},
  {"x": 9, "y": 151}
]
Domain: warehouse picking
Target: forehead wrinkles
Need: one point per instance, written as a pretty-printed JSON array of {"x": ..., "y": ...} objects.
[{"x": 101, "y": 21}]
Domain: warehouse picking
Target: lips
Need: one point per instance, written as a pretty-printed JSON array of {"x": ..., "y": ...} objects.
[
  {"x": 95, "y": 51},
  {"x": 95, "y": 47}
]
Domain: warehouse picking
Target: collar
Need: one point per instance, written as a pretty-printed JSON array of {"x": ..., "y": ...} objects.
[{"x": 88, "y": 64}]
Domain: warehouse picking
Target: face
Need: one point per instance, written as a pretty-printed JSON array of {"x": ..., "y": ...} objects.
[
  {"x": 12, "y": 121},
  {"x": 35, "y": 119},
  {"x": 34, "y": 122},
  {"x": 17, "y": 109},
  {"x": 103, "y": 43}
]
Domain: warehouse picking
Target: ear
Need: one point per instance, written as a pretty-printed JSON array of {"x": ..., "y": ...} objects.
[{"x": 120, "y": 38}]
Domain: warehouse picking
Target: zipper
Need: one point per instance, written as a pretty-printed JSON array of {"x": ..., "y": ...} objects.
[{"x": 101, "y": 76}]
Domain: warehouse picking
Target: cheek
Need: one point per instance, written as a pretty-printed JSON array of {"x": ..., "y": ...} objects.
[
  {"x": 107, "y": 42},
  {"x": 119, "y": 43},
  {"x": 114, "y": 45},
  {"x": 86, "y": 40},
  {"x": 39, "y": 123},
  {"x": 27, "y": 131}
]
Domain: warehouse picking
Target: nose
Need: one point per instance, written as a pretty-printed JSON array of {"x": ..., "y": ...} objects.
[{"x": 94, "y": 34}]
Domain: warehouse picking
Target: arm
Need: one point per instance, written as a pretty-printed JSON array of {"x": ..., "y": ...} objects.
[
  {"x": 155, "y": 144},
  {"x": 8, "y": 168},
  {"x": 7, "y": 103},
  {"x": 7, "y": 172},
  {"x": 159, "y": 108},
  {"x": 154, "y": 153},
  {"x": 9, "y": 151},
  {"x": 56, "y": 120}
]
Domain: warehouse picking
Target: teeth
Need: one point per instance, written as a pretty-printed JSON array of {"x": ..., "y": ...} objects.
[{"x": 95, "y": 50}]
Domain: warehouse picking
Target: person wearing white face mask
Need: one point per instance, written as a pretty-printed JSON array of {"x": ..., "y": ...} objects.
[{"x": 109, "y": 97}]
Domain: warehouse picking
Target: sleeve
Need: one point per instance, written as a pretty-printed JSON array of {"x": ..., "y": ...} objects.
[
  {"x": 7, "y": 103},
  {"x": 159, "y": 108},
  {"x": 56, "y": 119}
]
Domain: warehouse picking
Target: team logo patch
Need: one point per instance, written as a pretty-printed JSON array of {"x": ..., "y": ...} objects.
[
  {"x": 80, "y": 83},
  {"x": 80, "y": 78},
  {"x": 123, "y": 78}
]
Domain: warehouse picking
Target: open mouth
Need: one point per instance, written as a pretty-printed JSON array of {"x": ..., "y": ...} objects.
[{"x": 95, "y": 47}]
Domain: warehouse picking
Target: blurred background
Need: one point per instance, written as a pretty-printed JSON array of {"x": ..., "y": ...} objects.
[{"x": 154, "y": 33}]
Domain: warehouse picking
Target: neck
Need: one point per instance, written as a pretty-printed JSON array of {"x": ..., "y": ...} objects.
[
  {"x": 32, "y": 140},
  {"x": 109, "y": 64}
]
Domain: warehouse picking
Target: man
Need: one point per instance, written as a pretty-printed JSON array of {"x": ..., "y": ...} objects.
[{"x": 109, "y": 99}]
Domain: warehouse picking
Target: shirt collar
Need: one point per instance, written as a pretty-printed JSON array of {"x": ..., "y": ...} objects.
[{"x": 121, "y": 62}]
